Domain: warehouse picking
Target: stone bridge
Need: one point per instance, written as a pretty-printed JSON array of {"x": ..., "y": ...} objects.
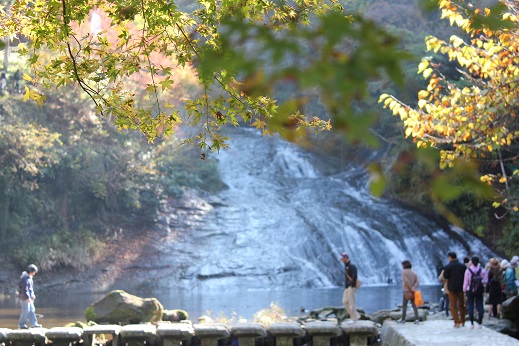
[{"x": 317, "y": 333}]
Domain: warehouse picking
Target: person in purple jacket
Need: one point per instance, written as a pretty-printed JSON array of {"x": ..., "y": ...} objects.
[
  {"x": 473, "y": 285},
  {"x": 27, "y": 297}
]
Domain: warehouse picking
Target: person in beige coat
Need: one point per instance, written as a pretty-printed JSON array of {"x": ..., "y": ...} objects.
[{"x": 410, "y": 284}]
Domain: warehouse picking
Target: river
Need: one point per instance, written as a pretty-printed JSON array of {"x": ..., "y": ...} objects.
[{"x": 59, "y": 308}]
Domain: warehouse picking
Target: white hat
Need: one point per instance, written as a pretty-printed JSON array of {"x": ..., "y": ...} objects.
[{"x": 505, "y": 263}]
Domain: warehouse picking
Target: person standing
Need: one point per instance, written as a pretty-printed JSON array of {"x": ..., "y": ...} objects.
[
  {"x": 514, "y": 263},
  {"x": 16, "y": 82},
  {"x": 350, "y": 291},
  {"x": 508, "y": 279},
  {"x": 473, "y": 285},
  {"x": 495, "y": 294},
  {"x": 27, "y": 297},
  {"x": 3, "y": 82},
  {"x": 445, "y": 292},
  {"x": 454, "y": 272},
  {"x": 410, "y": 284}
]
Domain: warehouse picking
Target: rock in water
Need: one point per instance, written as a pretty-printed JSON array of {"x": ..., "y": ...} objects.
[{"x": 121, "y": 307}]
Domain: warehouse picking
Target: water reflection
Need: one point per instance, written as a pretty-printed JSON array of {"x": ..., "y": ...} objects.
[{"x": 60, "y": 308}]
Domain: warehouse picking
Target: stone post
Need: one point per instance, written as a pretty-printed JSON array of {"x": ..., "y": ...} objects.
[
  {"x": 175, "y": 334},
  {"x": 64, "y": 336},
  {"x": 359, "y": 332},
  {"x": 90, "y": 333},
  {"x": 4, "y": 339},
  {"x": 322, "y": 332},
  {"x": 138, "y": 334},
  {"x": 247, "y": 333},
  {"x": 27, "y": 337},
  {"x": 209, "y": 334},
  {"x": 286, "y": 332}
]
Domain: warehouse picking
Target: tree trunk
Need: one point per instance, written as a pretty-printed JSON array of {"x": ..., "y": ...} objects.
[
  {"x": 4, "y": 210},
  {"x": 7, "y": 49}
]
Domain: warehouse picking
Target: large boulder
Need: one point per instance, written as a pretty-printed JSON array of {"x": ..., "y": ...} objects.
[
  {"x": 121, "y": 307},
  {"x": 510, "y": 309}
]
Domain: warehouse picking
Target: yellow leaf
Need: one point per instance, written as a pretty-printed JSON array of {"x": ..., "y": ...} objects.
[
  {"x": 502, "y": 180},
  {"x": 423, "y": 65},
  {"x": 427, "y": 73},
  {"x": 423, "y": 94}
]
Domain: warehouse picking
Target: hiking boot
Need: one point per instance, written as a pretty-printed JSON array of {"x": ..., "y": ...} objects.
[
  {"x": 37, "y": 326},
  {"x": 400, "y": 321},
  {"x": 23, "y": 327},
  {"x": 416, "y": 321}
]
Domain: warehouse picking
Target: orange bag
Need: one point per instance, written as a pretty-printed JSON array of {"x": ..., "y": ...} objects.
[{"x": 418, "y": 298}]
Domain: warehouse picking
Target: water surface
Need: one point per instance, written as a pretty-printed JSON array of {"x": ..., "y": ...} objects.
[{"x": 60, "y": 308}]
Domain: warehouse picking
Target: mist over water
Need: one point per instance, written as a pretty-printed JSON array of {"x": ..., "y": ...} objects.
[{"x": 282, "y": 224}]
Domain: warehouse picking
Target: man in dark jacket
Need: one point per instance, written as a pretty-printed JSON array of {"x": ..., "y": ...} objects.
[
  {"x": 350, "y": 291},
  {"x": 454, "y": 273},
  {"x": 27, "y": 297}
]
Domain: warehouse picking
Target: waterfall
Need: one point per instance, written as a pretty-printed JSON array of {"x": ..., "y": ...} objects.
[{"x": 283, "y": 224}]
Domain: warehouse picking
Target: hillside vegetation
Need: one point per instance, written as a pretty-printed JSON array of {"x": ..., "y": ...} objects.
[{"x": 69, "y": 177}]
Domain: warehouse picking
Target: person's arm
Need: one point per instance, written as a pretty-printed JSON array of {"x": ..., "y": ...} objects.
[
  {"x": 353, "y": 275},
  {"x": 446, "y": 273},
  {"x": 415, "y": 287},
  {"x": 26, "y": 289},
  {"x": 509, "y": 281},
  {"x": 466, "y": 280}
]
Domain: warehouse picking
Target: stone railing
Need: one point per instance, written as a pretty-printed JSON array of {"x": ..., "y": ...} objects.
[{"x": 318, "y": 333}]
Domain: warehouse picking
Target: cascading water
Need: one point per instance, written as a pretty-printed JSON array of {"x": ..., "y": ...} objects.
[{"x": 282, "y": 224}]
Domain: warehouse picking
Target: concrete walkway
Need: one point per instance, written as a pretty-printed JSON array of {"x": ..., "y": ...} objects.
[{"x": 441, "y": 332}]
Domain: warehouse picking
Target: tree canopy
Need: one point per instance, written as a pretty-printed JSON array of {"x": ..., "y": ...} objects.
[
  {"x": 241, "y": 51},
  {"x": 472, "y": 117}
]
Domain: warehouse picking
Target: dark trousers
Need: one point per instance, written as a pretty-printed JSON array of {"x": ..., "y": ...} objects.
[
  {"x": 457, "y": 303},
  {"x": 478, "y": 299}
]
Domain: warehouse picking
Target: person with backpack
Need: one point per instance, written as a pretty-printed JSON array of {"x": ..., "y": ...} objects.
[
  {"x": 27, "y": 297},
  {"x": 474, "y": 286}
]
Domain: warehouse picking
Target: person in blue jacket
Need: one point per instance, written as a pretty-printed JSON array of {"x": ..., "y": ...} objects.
[
  {"x": 508, "y": 279},
  {"x": 27, "y": 297}
]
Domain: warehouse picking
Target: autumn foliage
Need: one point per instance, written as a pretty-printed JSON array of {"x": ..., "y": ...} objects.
[{"x": 476, "y": 116}]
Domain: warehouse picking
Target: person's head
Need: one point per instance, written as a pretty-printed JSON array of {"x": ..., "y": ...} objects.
[
  {"x": 466, "y": 260},
  {"x": 345, "y": 258},
  {"x": 452, "y": 256},
  {"x": 514, "y": 262},
  {"x": 505, "y": 264},
  {"x": 475, "y": 260},
  {"x": 31, "y": 269},
  {"x": 494, "y": 262},
  {"x": 407, "y": 264}
]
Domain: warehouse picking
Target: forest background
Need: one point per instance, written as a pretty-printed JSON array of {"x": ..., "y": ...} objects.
[{"x": 69, "y": 179}]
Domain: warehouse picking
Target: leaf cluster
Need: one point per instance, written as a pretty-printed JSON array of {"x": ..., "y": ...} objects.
[
  {"x": 473, "y": 118},
  {"x": 239, "y": 49}
]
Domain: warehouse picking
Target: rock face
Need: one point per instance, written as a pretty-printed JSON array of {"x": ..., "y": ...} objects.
[
  {"x": 121, "y": 307},
  {"x": 510, "y": 309}
]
